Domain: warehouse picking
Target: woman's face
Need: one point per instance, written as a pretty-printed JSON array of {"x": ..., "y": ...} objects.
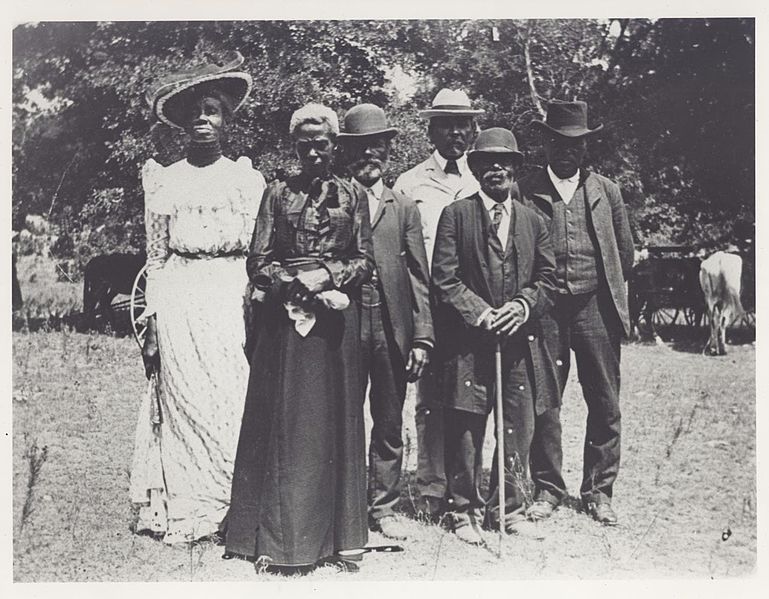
[
  {"x": 315, "y": 148},
  {"x": 205, "y": 119}
]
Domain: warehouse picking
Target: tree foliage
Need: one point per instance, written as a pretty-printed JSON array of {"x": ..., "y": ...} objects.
[{"x": 676, "y": 97}]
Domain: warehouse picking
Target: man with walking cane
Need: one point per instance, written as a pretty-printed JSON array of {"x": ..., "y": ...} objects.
[{"x": 493, "y": 276}]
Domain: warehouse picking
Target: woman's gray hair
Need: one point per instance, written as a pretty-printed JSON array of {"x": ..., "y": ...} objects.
[{"x": 317, "y": 114}]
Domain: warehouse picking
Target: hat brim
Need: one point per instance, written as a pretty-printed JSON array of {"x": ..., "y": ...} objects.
[
  {"x": 495, "y": 150},
  {"x": 168, "y": 103},
  {"x": 568, "y": 131},
  {"x": 430, "y": 113},
  {"x": 389, "y": 133}
]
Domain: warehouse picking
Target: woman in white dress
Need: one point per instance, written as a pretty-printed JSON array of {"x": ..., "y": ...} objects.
[{"x": 200, "y": 215}]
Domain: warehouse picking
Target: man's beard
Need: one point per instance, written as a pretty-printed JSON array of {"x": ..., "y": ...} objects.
[{"x": 367, "y": 170}]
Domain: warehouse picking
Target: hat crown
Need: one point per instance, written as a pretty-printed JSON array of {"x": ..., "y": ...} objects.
[
  {"x": 496, "y": 140},
  {"x": 562, "y": 114},
  {"x": 365, "y": 119},
  {"x": 452, "y": 98},
  {"x": 178, "y": 78}
]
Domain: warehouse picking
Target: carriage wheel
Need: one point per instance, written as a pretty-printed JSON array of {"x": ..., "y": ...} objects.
[
  {"x": 692, "y": 317},
  {"x": 749, "y": 320},
  {"x": 664, "y": 317},
  {"x": 138, "y": 305}
]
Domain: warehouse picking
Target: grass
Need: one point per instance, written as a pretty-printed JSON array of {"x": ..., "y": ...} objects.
[{"x": 688, "y": 476}]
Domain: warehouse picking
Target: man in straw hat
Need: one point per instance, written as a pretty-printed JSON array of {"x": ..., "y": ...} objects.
[
  {"x": 396, "y": 324},
  {"x": 433, "y": 184},
  {"x": 594, "y": 256},
  {"x": 493, "y": 277}
]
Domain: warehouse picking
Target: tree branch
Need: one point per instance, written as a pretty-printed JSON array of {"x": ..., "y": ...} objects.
[{"x": 530, "y": 74}]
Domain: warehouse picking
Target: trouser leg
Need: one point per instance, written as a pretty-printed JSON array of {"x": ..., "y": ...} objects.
[
  {"x": 546, "y": 456},
  {"x": 518, "y": 427},
  {"x": 596, "y": 339},
  {"x": 464, "y": 460},
  {"x": 431, "y": 474},
  {"x": 386, "y": 397}
]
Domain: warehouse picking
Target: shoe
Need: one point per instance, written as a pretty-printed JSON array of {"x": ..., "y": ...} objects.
[
  {"x": 601, "y": 512},
  {"x": 391, "y": 526},
  {"x": 520, "y": 526},
  {"x": 541, "y": 509},
  {"x": 466, "y": 529},
  {"x": 429, "y": 508}
]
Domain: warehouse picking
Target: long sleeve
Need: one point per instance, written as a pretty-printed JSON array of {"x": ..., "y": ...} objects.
[
  {"x": 156, "y": 219},
  {"x": 259, "y": 263},
  {"x": 416, "y": 260},
  {"x": 448, "y": 286},
  {"x": 622, "y": 231},
  {"x": 539, "y": 293},
  {"x": 358, "y": 265}
]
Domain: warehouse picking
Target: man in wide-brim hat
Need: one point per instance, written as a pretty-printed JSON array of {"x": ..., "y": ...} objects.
[
  {"x": 492, "y": 276},
  {"x": 594, "y": 256},
  {"x": 396, "y": 323},
  {"x": 433, "y": 184}
]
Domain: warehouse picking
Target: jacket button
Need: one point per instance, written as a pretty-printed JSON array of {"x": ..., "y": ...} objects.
[
  {"x": 521, "y": 387},
  {"x": 559, "y": 362},
  {"x": 467, "y": 383},
  {"x": 531, "y": 337}
]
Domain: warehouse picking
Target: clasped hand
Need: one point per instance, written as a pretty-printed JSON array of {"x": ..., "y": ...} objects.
[
  {"x": 505, "y": 320},
  {"x": 301, "y": 291}
]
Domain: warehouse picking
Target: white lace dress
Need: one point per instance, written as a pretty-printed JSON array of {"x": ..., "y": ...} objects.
[{"x": 199, "y": 223}]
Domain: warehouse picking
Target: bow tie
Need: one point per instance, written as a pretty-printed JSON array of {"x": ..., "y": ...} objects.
[{"x": 451, "y": 167}]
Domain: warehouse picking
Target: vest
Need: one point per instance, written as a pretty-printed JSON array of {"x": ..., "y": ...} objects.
[
  {"x": 576, "y": 260},
  {"x": 503, "y": 273}
]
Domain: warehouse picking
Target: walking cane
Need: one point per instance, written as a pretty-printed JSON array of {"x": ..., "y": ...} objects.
[{"x": 500, "y": 442}]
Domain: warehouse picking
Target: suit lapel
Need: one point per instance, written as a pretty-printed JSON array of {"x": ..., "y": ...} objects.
[
  {"x": 481, "y": 230},
  {"x": 381, "y": 207}
]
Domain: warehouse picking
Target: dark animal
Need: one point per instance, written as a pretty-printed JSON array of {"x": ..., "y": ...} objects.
[
  {"x": 720, "y": 277},
  {"x": 104, "y": 278},
  {"x": 665, "y": 283}
]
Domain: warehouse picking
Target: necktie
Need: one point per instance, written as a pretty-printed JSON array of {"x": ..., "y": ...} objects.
[
  {"x": 496, "y": 217},
  {"x": 451, "y": 167}
]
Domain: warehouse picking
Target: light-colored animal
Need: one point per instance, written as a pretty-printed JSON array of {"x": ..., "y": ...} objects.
[{"x": 720, "y": 280}]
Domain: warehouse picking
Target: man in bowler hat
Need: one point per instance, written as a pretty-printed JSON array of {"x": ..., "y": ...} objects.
[
  {"x": 433, "y": 184},
  {"x": 594, "y": 256},
  {"x": 396, "y": 324},
  {"x": 493, "y": 277}
]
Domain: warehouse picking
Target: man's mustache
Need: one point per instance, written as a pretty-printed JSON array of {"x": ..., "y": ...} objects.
[{"x": 367, "y": 162}]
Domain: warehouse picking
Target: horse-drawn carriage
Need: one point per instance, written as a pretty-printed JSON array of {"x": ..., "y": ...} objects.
[{"x": 665, "y": 290}]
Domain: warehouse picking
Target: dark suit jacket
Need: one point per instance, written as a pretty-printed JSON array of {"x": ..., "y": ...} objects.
[
  {"x": 608, "y": 218},
  {"x": 401, "y": 262},
  {"x": 460, "y": 277}
]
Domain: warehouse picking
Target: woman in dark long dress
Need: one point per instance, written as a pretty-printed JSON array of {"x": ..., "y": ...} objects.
[{"x": 299, "y": 488}]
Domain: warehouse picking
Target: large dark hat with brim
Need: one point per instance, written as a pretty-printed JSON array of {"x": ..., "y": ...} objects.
[
  {"x": 365, "y": 120},
  {"x": 568, "y": 119},
  {"x": 166, "y": 97},
  {"x": 450, "y": 102},
  {"x": 496, "y": 140}
]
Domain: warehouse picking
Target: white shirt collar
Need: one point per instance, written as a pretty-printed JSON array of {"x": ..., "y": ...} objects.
[
  {"x": 556, "y": 179},
  {"x": 377, "y": 188},
  {"x": 489, "y": 203},
  {"x": 461, "y": 162}
]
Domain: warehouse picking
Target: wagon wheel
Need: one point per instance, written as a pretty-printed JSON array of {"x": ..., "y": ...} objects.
[
  {"x": 749, "y": 319},
  {"x": 138, "y": 305},
  {"x": 664, "y": 317},
  {"x": 692, "y": 317}
]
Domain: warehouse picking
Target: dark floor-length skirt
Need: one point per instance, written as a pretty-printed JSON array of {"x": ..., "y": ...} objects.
[{"x": 299, "y": 487}]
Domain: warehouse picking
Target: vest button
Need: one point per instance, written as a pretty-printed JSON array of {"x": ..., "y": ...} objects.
[
  {"x": 531, "y": 337},
  {"x": 467, "y": 383},
  {"x": 521, "y": 387}
]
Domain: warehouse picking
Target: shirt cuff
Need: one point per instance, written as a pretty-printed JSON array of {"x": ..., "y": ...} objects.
[{"x": 424, "y": 344}]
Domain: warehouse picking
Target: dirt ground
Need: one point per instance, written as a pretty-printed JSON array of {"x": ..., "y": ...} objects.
[{"x": 686, "y": 494}]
